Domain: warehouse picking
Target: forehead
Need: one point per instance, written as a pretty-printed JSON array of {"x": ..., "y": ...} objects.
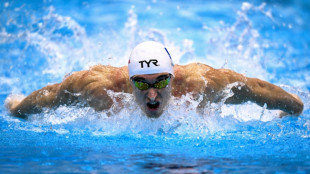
[{"x": 150, "y": 76}]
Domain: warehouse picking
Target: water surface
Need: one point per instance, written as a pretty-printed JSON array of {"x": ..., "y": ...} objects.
[{"x": 42, "y": 41}]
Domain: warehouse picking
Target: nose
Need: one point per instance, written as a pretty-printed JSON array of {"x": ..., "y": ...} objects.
[{"x": 152, "y": 94}]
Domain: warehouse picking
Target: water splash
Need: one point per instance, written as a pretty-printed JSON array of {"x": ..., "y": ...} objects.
[
  {"x": 61, "y": 45},
  {"x": 240, "y": 46}
]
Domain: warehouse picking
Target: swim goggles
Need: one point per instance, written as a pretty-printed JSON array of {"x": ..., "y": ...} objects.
[{"x": 159, "y": 85}]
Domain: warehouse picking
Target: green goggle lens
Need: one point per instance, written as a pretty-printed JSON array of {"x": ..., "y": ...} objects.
[
  {"x": 141, "y": 85},
  {"x": 144, "y": 86},
  {"x": 161, "y": 84}
]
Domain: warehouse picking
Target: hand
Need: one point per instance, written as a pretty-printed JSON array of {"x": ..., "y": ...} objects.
[
  {"x": 13, "y": 100},
  {"x": 283, "y": 114}
]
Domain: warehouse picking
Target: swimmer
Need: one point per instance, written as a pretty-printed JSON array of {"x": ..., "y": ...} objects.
[{"x": 152, "y": 78}]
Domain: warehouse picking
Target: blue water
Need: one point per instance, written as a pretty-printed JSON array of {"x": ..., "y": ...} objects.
[{"x": 42, "y": 41}]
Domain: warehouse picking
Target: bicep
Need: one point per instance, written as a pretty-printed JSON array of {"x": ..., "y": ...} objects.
[
  {"x": 224, "y": 84},
  {"x": 96, "y": 96},
  {"x": 87, "y": 87}
]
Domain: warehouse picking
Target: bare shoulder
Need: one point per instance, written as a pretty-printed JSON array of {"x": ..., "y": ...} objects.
[
  {"x": 191, "y": 78},
  {"x": 99, "y": 76},
  {"x": 198, "y": 78}
]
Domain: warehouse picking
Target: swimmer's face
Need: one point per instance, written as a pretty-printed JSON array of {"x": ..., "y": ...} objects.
[{"x": 154, "y": 92}]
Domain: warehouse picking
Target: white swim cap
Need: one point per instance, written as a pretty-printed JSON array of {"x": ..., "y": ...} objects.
[{"x": 149, "y": 58}]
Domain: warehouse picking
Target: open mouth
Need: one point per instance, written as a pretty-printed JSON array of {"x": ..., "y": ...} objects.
[{"x": 153, "y": 105}]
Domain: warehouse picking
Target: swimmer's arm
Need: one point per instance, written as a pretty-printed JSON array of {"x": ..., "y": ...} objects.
[
  {"x": 50, "y": 96},
  {"x": 86, "y": 87},
  {"x": 97, "y": 97},
  {"x": 262, "y": 92},
  {"x": 34, "y": 103},
  {"x": 83, "y": 86}
]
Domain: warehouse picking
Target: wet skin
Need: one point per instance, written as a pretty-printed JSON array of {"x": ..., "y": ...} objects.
[
  {"x": 153, "y": 100},
  {"x": 91, "y": 86}
]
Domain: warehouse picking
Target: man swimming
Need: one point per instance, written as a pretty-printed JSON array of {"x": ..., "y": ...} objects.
[{"x": 152, "y": 78}]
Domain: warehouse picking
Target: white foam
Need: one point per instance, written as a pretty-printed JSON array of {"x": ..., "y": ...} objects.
[
  {"x": 180, "y": 117},
  {"x": 237, "y": 46}
]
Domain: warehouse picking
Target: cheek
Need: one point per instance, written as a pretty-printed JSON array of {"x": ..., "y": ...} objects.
[
  {"x": 166, "y": 94},
  {"x": 139, "y": 96}
]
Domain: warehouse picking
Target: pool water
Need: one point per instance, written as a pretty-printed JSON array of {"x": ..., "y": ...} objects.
[{"x": 43, "y": 41}]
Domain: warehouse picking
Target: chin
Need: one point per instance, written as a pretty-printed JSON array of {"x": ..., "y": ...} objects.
[{"x": 153, "y": 113}]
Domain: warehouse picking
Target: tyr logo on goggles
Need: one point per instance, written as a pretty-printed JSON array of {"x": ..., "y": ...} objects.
[{"x": 159, "y": 85}]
